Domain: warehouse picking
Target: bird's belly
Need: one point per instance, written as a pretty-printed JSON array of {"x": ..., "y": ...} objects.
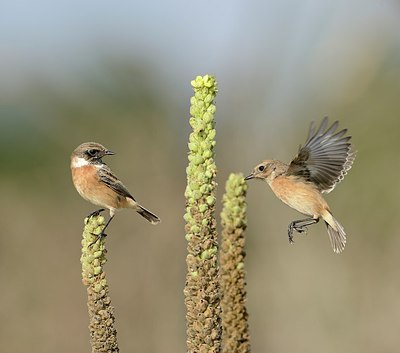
[
  {"x": 298, "y": 195},
  {"x": 91, "y": 189}
]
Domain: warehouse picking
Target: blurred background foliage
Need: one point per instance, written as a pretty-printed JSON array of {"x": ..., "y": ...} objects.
[{"x": 119, "y": 74}]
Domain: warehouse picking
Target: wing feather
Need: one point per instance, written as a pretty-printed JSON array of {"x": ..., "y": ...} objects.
[
  {"x": 325, "y": 157},
  {"x": 110, "y": 179}
]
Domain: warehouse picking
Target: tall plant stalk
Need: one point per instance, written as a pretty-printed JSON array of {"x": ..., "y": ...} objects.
[
  {"x": 202, "y": 291},
  {"x": 103, "y": 335},
  {"x": 235, "y": 330}
]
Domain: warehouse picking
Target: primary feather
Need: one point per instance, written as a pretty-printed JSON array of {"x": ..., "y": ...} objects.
[{"x": 325, "y": 158}]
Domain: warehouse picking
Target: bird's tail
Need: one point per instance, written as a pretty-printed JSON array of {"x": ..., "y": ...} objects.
[
  {"x": 151, "y": 217},
  {"x": 336, "y": 233}
]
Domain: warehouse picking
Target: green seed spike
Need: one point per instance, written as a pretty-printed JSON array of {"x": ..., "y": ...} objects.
[
  {"x": 202, "y": 292},
  {"x": 235, "y": 334}
]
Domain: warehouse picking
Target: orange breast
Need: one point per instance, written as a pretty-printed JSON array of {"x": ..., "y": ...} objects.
[
  {"x": 91, "y": 188},
  {"x": 303, "y": 197}
]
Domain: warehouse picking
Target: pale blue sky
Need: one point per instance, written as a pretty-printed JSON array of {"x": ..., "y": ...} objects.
[{"x": 294, "y": 46}]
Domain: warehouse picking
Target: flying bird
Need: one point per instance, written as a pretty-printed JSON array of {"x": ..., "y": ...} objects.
[{"x": 318, "y": 167}]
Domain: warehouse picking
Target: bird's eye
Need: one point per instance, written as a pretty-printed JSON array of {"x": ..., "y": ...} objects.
[
  {"x": 261, "y": 168},
  {"x": 92, "y": 152}
]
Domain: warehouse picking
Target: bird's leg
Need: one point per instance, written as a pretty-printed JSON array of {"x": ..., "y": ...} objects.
[
  {"x": 300, "y": 226},
  {"x": 102, "y": 233},
  {"x": 95, "y": 213},
  {"x": 290, "y": 233}
]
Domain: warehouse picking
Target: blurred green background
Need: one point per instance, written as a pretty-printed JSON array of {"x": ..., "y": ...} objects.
[{"x": 119, "y": 74}]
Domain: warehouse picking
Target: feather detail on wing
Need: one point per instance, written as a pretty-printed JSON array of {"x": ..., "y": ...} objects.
[
  {"x": 111, "y": 180},
  {"x": 325, "y": 158}
]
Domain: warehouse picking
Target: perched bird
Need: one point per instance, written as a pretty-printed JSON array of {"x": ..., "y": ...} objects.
[
  {"x": 96, "y": 183},
  {"x": 318, "y": 167}
]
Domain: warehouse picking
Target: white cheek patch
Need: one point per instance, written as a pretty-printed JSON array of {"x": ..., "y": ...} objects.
[{"x": 79, "y": 162}]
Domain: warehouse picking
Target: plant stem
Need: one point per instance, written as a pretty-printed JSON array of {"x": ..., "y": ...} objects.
[
  {"x": 103, "y": 335},
  {"x": 202, "y": 291},
  {"x": 235, "y": 332}
]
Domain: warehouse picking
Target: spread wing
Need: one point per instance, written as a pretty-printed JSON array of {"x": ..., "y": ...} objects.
[
  {"x": 111, "y": 180},
  {"x": 325, "y": 158}
]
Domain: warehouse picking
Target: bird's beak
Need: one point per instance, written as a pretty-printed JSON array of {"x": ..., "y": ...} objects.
[
  {"x": 109, "y": 153},
  {"x": 251, "y": 176}
]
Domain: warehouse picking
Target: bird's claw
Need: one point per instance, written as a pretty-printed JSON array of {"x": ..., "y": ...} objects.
[
  {"x": 98, "y": 237},
  {"x": 290, "y": 233},
  {"x": 301, "y": 229},
  {"x": 298, "y": 228},
  {"x": 95, "y": 213}
]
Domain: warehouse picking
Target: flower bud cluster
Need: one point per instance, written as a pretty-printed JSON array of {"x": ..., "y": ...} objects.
[
  {"x": 235, "y": 333},
  {"x": 202, "y": 294},
  {"x": 103, "y": 335}
]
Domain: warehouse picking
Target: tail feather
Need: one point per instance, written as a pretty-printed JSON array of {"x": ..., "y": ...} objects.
[
  {"x": 336, "y": 234},
  {"x": 151, "y": 217}
]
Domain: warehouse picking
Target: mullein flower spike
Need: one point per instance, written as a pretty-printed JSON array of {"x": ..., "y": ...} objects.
[
  {"x": 103, "y": 335},
  {"x": 235, "y": 331},
  {"x": 202, "y": 292}
]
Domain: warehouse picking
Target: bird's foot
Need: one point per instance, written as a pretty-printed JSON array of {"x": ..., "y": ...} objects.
[
  {"x": 300, "y": 226},
  {"x": 301, "y": 229},
  {"x": 102, "y": 234},
  {"x": 98, "y": 237},
  {"x": 290, "y": 233},
  {"x": 95, "y": 213}
]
